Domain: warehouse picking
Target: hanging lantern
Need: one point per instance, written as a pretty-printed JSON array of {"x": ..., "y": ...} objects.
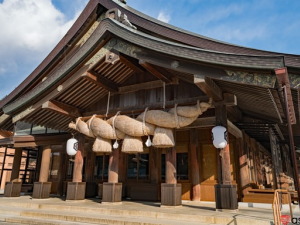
[
  {"x": 148, "y": 143},
  {"x": 219, "y": 136},
  {"x": 72, "y": 146},
  {"x": 116, "y": 145}
]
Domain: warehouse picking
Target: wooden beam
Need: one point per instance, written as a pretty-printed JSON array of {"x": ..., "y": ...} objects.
[
  {"x": 141, "y": 108},
  {"x": 62, "y": 108},
  {"x": 101, "y": 81},
  {"x": 283, "y": 80},
  {"x": 142, "y": 86},
  {"x": 3, "y": 118},
  {"x": 234, "y": 130},
  {"x": 154, "y": 71},
  {"x": 202, "y": 122},
  {"x": 209, "y": 87},
  {"x": 132, "y": 64}
]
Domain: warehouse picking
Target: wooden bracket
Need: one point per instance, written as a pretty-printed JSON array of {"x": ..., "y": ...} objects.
[
  {"x": 62, "y": 108},
  {"x": 155, "y": 72},
  {"x": 209, "y": 87}
]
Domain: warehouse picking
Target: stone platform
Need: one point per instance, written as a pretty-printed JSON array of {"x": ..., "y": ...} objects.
[{"x": 52, "y": 211}]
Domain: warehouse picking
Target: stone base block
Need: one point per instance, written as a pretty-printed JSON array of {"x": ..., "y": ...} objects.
[
  {"x": 76, "y": 191},
  {"x": 12, "y": 189},
  {"x": 41, "y": 190},
  {"x": 226, "y": 197},
  {"x": 170, "y": 194},
  {"x": 112, "y": 192}
]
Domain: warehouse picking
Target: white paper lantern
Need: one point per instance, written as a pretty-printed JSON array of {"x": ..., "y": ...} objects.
[
  {"x": 219, "y": 136},
  {"x": 72, "y": 146}
]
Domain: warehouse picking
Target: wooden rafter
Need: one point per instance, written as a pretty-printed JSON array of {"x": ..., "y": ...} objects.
[
  {"x": 280, "y": 115},
  {"x": 62, "y": 108},
  {"x": 155, "y": 72},
  {"x": 101, "y": 81}
]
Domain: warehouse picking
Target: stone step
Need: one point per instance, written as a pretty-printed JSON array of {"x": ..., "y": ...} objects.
[
  {"x": 105, "y": 219},
  {"x": 129, "y": 212},
  {"x": 71, "y": 209},
  {"x": 35, "y": 221}
]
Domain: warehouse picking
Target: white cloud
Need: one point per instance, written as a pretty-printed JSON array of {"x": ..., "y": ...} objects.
[
  {"x": 29, "y": 31},
  {"x": 164, "y": 17}
]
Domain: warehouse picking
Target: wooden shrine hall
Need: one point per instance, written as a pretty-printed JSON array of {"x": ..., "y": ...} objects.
[{"x": 128, "y": 107}]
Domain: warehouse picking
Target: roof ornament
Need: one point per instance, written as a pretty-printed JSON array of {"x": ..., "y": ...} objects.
[
  {"x": 123, "y": 1},
  {"x": 119, "y": 16}
]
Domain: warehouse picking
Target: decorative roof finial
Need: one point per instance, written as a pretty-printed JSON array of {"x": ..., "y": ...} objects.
[{"x": 123, "y": 1}]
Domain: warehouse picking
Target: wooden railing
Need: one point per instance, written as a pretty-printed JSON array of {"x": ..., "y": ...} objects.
[{"x": 277, "y": 205}]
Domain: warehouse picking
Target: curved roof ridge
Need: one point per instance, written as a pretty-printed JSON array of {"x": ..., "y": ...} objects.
[{"x": 178, "y": 29}]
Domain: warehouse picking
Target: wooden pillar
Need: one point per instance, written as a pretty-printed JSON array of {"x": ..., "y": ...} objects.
[
  {"x": 113, "y": 167},
  {"x": 91, "y": 186},
  {"x": 46, "y": 157},
  {"x": 62, "y": 171},
  {"x": 16, "y": 165},
  {"x": 195, "y": 171},
  {"x": 171, "y": 172},
  {"x": 112, "y": 190},
  {"x": 42, "y": 188},
  {"x": 13, "y": 188},
  {"x": 76, "y": 188},
  {"x": 78, "y": 162},
  {"x": 171, "y": 191},
  {"x": 225, "y": 192}
]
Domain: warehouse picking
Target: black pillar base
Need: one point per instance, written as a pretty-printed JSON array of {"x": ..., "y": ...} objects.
[
  {"x": 170, "y": 194},
  {"x": 12, "y": 189},
  {"x": 112, "y": 192},
  {"x": 226, "y": 197},
  {"x": 91, "y": 190},
  {"x": 76, "y": 191},
  {"x": 41, "y": 190}
]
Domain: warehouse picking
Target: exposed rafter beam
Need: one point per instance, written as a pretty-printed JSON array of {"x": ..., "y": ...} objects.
[
  {"x": 62, "y": 108},
  {"x": 209, "y": 87},
  {"x": 143, "y": 86},
  {"x": 154, "y": 105},
  {"x": 101, "y": 81},
  {"x": 154, "y": 71},
  {"x": 234, "y": 130}
]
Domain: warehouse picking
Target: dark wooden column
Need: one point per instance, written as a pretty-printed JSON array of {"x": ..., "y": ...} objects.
[
  {"x": 112, "y": 190},
  {"x": 91, "y": 186},
  {"x": 42, "y": 188},
  {"x": 171, "y": 191},
  {"x": 226, "y": 193},
  {"x": 16, "y": 165},
  {"x": 155, "y": 173},
  {"x": 76, "y": 188},
  {"x": 195, "y": 171},
  {"x": 13, "y": 188}
]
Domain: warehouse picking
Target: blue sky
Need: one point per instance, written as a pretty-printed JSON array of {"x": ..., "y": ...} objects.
[{"x": 31, "y": 28}]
